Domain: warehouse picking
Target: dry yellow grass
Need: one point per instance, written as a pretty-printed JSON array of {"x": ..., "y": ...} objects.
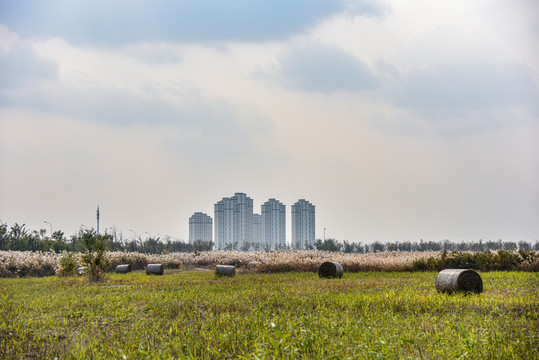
[{"x": 21, "y": 263}]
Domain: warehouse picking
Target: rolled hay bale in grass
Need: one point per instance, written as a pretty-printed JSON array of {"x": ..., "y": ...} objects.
[
  {"x": 330, "y": 269},
  {"x": 459, "y": 280},
  {"x": 225, "y": 270},
  {"x": 155, "y": 269},
  {"x": 123, "y": 269},
  {"x": 81, "y": 270}
]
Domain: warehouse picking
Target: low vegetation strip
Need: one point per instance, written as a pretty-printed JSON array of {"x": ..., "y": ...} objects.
[
  {"x": 196, "y": 315},
  {"x": 501, "y": 260},
  {"x": 25, "y": 263}
]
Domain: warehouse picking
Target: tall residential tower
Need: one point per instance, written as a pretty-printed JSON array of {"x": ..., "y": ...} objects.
[
  {"x": 303, "y": 225},
  {"x": 200, "y": 228},
  {"x": 234, "y": 222},
  {"x": 274, "y": 224}
]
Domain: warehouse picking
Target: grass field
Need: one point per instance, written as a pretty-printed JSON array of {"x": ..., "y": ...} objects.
[{"x": 193, "y": 314}]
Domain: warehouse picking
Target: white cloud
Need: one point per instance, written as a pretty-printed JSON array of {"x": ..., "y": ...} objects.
[
  {"x": 7, "y": 39},
  {"x": 154, "y": 54},
  {"x": 320, "y": 68},
  {"x": 445, "y": 71},
  {"x": 21, "y": 65}
]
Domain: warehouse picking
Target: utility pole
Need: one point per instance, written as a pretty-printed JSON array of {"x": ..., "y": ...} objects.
[
  {"x": 97, "y": 219},
  {"x": 46, "y": 222},
  {"x": 324, "y": 234}
]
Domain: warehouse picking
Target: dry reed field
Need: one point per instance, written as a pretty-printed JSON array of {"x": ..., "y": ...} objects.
[
  {"x": 17, "y": 263},
  {"x": 26, "y": 263}
]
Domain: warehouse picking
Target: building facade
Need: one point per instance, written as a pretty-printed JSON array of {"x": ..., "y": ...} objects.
[
  {"x": 224, "y": 223},
  {"x": 303, "y": 225},
  {"x": 258, "y": 239},
  {"x": 200, "y": 228},
  {"x": 274, "y": 224},
  {"x": 234, "y": 222}
]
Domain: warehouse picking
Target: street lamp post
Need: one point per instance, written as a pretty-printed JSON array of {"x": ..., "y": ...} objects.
[{"x": 46, "y": 222}]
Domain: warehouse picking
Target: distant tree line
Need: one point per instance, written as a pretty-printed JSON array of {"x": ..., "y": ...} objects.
[
  {"x": 19, "y": 238},
  {"x": 447, "y": 245}
]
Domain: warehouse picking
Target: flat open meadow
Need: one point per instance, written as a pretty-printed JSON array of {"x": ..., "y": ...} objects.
[{"x": 193, "y": 314}]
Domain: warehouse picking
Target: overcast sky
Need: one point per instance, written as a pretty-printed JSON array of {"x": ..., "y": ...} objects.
[{"x": 399, "y": 120}]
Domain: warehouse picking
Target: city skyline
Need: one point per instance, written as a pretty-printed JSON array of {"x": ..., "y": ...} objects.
[
  {"x": 400, "y": 120},
  {"x": 269, "y": 230}
]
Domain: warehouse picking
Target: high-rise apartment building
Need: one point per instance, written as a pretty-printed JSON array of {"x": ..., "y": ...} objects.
[
  {"x": 274, "y": 224},
  {"x": 200, "y": 228},
  {"x": 234, "y": 222},
  {"x": 224, "y": 223},
  {"x": 258, "y": 239},
  {"x": 303, "y": 225}
]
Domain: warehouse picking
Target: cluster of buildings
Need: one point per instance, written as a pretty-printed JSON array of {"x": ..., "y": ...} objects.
[{"x": 238, "y": 228}]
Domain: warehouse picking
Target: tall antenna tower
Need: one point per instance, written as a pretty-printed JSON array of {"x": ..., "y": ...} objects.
[{"x": 97, "y": 219}]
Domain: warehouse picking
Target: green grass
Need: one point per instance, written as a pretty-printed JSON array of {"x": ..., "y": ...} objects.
[{"x": 192, "y": 314}]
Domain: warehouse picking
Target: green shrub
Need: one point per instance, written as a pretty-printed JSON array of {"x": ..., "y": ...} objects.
[
  {"x": 501, "y": 260},
  {"x": 506, "y": 260},
  {"x": 68, "y": 264},
  {"x": 420, "y": 265},
  {"x": 94, "y": 254}
]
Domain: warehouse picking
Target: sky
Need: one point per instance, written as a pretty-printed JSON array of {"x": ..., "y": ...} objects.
[{"x": 398, "y": 120}]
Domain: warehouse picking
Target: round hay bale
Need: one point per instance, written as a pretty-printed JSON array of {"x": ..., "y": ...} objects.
[
  {"x": 81, "y": 270},
  {"x": 155, "y": 269},
  {"x": 123, "y": 269},
  {"x": 225, "y": 270},
  {"x": 459, "y": 280},
  {"x": 330, "y": 269}
]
